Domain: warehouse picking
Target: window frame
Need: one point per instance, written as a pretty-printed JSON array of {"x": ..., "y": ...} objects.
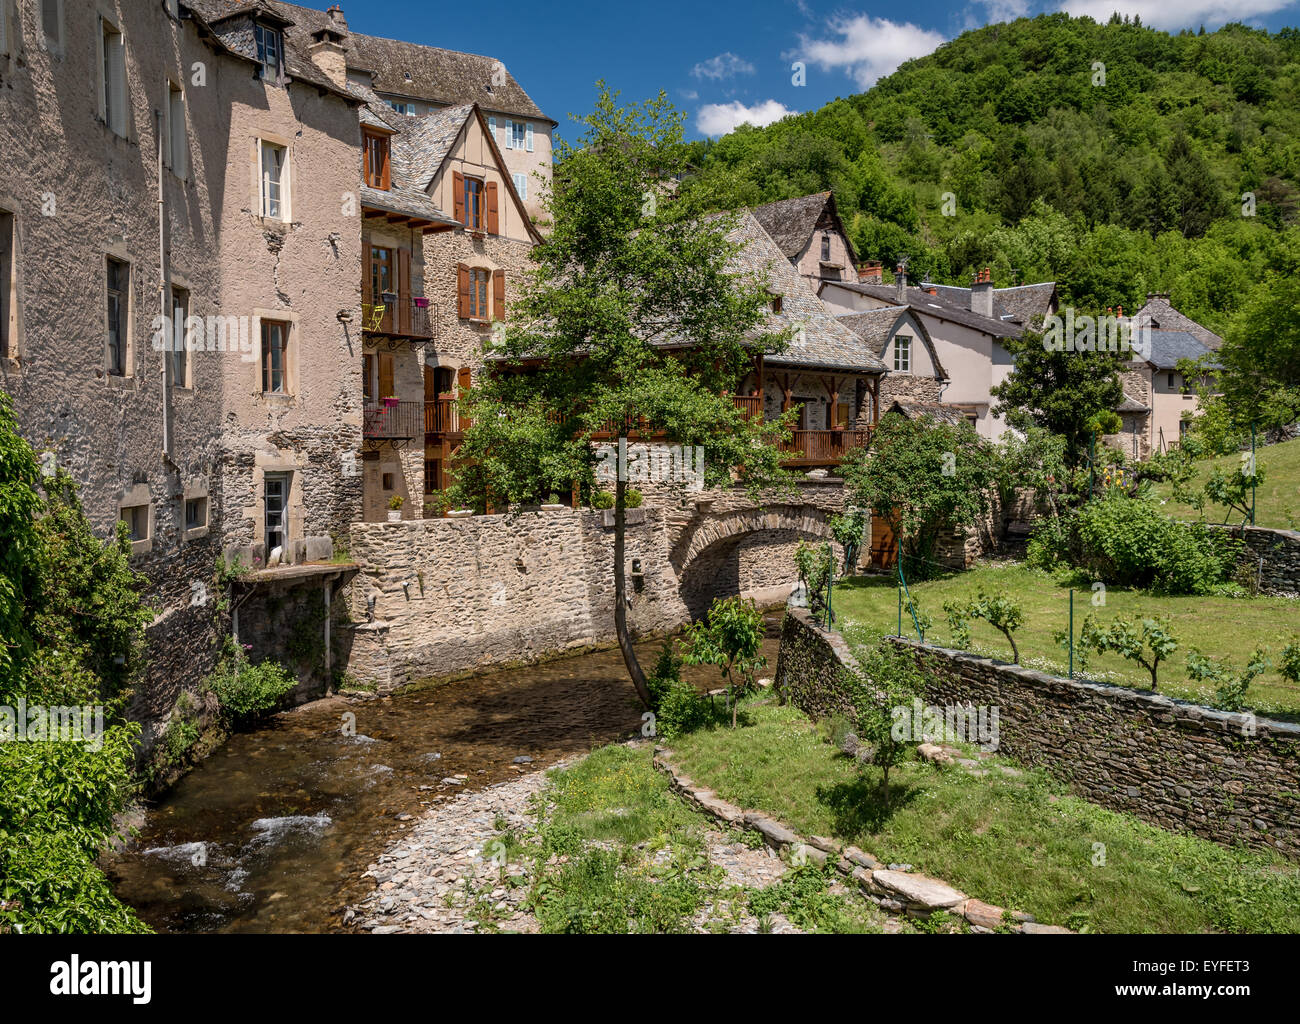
[
  {"x": 281, "y": 183},
  {"x": 112, "y": 71},
  {"x": 372, "y": 143},
  {"x": 128, "y": 514},
  {"x": 473, "y": 223},
  {"x": 520, "y": 180},
  {"x": 262, "y": 34},
  {"x": 475, "y": 313},
  {"x": 902, "y": 353},
  {"x": 826, "y": 246},
  {"x": 179, "y": 351},
  {"x": 281, "y": 529},
  {"x": 122, "y": 292},
  {"x": 201, "y": 501},
  {"x": 267, "y": 368},
  {"x": 178, "y": 133},
  {"x": 9, "y": 294},
  {"x": 52, "y": 44}
]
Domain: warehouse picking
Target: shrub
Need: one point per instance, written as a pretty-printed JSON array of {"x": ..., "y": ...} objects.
[
  {"x": 1230, "y": 694},
  {"x": 1128, "y": 541},
  {"x": 632, "y": 498},
  {"x": 602, "y": 500},
  {"x": 1000, "y": 612},
  {"x": 1132, "y": 641},
  {"x": 1290, "y": 665},
  {"x": 246, "y": 691},
  {"x": 731, "y": 638},
  {"x": 888, "y": 680},
  {"x": 682, "y": 709}
]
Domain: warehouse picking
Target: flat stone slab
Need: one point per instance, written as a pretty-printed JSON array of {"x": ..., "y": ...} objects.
[
  {"x": 773, "y": 831},
  {"x": 982, "y": 915},
  {"x": 718, "y": 807},
  {"x": 918, "y": 889},
  {"x": 1033, "y": 928},
  {"x": 862, "y": 860}
]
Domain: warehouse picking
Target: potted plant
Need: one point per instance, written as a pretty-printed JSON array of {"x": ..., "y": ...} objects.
[
  {"x": 395, "y": 504},
  {"x": 553, "y": 504}
]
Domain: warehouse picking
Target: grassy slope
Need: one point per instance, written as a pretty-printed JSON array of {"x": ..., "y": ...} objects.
[
  {"x": 1222, "y": 627},
  {"x": 1018, "y": 840},
  {"x": 1277, "y": 503}
]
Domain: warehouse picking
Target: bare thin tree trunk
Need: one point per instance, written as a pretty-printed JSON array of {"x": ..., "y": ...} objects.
[{"x": 620, "y": 589}]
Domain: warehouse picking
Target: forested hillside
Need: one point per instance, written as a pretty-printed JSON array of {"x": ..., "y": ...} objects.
[{"x": 1113, "y": 189}]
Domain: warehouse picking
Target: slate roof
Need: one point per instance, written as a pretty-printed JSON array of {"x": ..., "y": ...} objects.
[
  {"x": 828, "y": 344},
  {"x": 1160, "y": 314},
  {"x": 931, "y": 305},
  {"x": 1131, "y": 404},
  {"x": 1022, "y": 304},
  {"x": 791, "y": 222},
  {"x": 1165, "y": 348},
  {"x": 935, "y": 410},
  {"x": 401, "y": 68},
  {"x": 876, "y": 326}
]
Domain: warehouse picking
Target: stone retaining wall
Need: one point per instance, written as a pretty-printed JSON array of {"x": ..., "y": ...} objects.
[
  {"x": 1224, "y": 777},
  {"x": 1274, "y": 557}
]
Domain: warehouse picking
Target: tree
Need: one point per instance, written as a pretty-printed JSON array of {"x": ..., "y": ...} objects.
[
  {"x": 632, "y": 318},
  {"x": 815, "y": 563},
  {"x": 1148, "y": 643},
  {"x": 1260, "y": 357},
  {"x": 922, "y": 477},
  {"x": 882, "y": 692},
  {"x": 847, "y": 529},
  {"x": 1000, "y": 612},
  {"x": 730, "y": 638},
  {"x": 1230, "y": 694}
]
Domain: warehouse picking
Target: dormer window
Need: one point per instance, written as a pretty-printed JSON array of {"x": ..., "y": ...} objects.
[
  {"x": 826, "y": 248},
  {"x": 270, "y": 50}
]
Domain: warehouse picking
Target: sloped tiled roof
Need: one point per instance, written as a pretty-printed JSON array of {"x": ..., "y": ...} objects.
[
  {"x": 791, "y": 222},
  {"x": 1165, "y": 348},
  {"x": 1131, "y": 404},
  {"x": 418, "y": 72},
  {"x": 1023, "y": 304},
  {"x": 876, "y": 326},
  {"x": 1160, "y": 314},
  {"x": 827, "y": 344},
  {"x": 930, "y": 305},
  {"x": 934, "y": 410}
]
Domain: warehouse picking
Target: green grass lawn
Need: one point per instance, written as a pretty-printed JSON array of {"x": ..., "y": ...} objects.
[
  {"x": 1016, "y": 838},
  {"x": 1277, "y": 502},
  {"x": 1222, "y": 627}
]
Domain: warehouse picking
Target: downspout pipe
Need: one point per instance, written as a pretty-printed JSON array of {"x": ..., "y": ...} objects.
[{"x": 168, "y": 328}]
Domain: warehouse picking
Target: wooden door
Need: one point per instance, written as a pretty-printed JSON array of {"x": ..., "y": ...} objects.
[
  {"x": 884, "y": 548},
  {"x": 386, "y": 386},
  {"x": 463, "y": 380}
]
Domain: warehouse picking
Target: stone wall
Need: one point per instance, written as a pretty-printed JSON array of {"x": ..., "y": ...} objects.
[
  {"x": 1230, "y": 778},
  {"x": 1273, "y": 557}
]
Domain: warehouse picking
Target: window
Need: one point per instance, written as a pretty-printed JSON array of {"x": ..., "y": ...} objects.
[
  {"x": 136, "y": 518},
  {"x": 402, "y": 108},
  {"x": 113, "y": 92},
  {"x": 8, "y": 287},
  {"x": 277, "y": 506},
  {"x": 52, "y": 22},
  {"x": 388, "y": 481},
  {"x": 381, "y": 273},
  {"x": 275, "y": 357},
  {"x": 903, "y": 354},
  {"x": 432, "y": 475},
  {"x": 519, "y": 135},
  {"x": 272, "y": 174},
  {"x": 377, "y": 149},
  {"x": 180, "y": 367},
  {"x": 270, "y": 50},
  {"x": 1171, "y": 381},
  {"x": 478, "y": 294},
  {"x": 4, "y": 29},
  {"x": 826, "y": 248},
  {"x": 178, "y": 143},
  {"x": 196, "y": 513},
  {"x": 492, "y": 128},
  {"x": 473, "y": 204},
  {"x": 369, "y": 393},
  {"x": 521, "y": 185},
  {"x": 119, "y": 278}
]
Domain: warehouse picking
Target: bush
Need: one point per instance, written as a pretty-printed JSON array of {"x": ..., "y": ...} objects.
[
  {"x": 632, "y": 498},
  {"x": 602, "y": 500},
  {"x": 1128, "y": 541},
  {"x": 247, "y": 691}
]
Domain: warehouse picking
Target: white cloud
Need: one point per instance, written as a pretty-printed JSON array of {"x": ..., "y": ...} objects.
[
  {"x": 1005, "y": 10},
  {"x": 1187, "y": 14},
  {"x": 868, "y": 48},
  {"x": 724, "y": 65},
  {"x": 721, "y": 118}
]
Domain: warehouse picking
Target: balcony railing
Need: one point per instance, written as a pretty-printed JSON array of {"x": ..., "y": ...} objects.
[
  {"x": 442, "y": 416},
  {"x": 823, "y": 447},
  {"x": 399, "y": 318},
  {"x": 750, "y": 405},
  {"x": 390, "y": 420}
]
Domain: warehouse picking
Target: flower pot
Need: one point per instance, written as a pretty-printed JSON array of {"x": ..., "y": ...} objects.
[
  {"x": 395, "y": 515},
  {"x": 554, "y": 508},
  {"x": 460, "y": 513}
]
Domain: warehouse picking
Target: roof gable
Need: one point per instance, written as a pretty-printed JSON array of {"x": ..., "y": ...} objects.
[{"x": 791, "y": 223}]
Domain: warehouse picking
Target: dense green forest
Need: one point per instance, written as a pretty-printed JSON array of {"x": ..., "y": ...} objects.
[{"x": 1112, "y": 190}]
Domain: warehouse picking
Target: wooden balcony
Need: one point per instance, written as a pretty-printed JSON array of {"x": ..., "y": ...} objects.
[
  {"x": 394, "y": 317},
  {"x": 442, "y": 418},
  {"x": 822, "y": 447},
  {"x": 750, "y": 405}
]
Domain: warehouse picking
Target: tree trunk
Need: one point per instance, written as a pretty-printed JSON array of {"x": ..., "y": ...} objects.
[
  {"x": 620, "y": 584},
  {"x": 1015, "y": 651}
]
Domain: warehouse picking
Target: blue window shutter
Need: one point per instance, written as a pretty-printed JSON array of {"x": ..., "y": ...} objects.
[
  {"x": 510, "y": 135},
  {"x": 530, "y": 136},
  {"x": 492, "y": 127}
]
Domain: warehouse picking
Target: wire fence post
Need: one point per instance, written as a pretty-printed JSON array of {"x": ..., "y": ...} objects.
[
  {"x": 830, "y": 589},
  {"x": 1254, "y": 473},
  {"x": 1071, "y": 634},
  {"x": 900, "y": 608},
  {"x": 911, "y": 606}
]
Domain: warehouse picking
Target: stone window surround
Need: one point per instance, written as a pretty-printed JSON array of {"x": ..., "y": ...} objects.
[
  {"x": 271, "y": 464},
  {"x": 169, "y": 86},
  {"x": 181, "y": 282},
  {"x": 118, "y": 251},
  {"x": 286, "y": 177},
  {"x": 197, "y": 487},
  {"x": 13, "y": 357},
  {"x": 133, "y": 497},
  {"x": 290, "y": 394},
  {"x": 58, "y": 47}
]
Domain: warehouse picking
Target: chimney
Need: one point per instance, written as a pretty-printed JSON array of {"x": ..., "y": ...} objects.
[
  {"x": 327, "y": 51},
  {"x": 981, "y": 293},
  {"x": 871, "y": 272},
  {"x": 900, "y": 281}
]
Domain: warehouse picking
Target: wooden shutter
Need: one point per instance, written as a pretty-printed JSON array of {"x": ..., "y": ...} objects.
[
  {"x": 499, "y": 294},
  {"x": 463, "y": 381},
  {"x": 458, "y": 198},
  {"x": 430, "y": 384},
  {"x": 367, "y": 376},
  {"x": 493, "y": 214},
  {"x": 529, "y": 134},
  {"x": 386, "y": 389},
  {"x": 510, "y": 135},
  {"x": 462, "y": 291},
  {"x": 403, "y": 319}
]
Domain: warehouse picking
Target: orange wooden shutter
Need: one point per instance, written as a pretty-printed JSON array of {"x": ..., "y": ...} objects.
[
  {"x": 367, "y": 376},
  {"x": 499, "y": 294},
  {"x": 462, "y": 291},
  {"x": 463, "y": 381},
  {"x": 430, "y": 384},
  {"x": 386, "y": 389},
  {"x": 493, "y": 216},
  {"x": 458, "y": 198},
  {"x": 404, "y": 290}
]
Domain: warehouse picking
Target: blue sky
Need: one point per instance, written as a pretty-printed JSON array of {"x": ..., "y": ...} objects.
[{"x": 728, "y": 61}]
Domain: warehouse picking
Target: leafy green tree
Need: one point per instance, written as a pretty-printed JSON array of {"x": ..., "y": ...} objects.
[
  {"x": 847, "y": 529},
  {"x": 732, "y": 639},
  {"x": 1000, "y": 612},
  {"x": 922, "y": 477},
  {"x": 1233, "y": 490},
  {"x": 1260, "y": 357},
  {"x": 1058, "y": 391},
  {"x": 1230, "y": 694},
  {"x": 882, "y": 691},
  {"x": 633, "y": 318},
  {"x": 1148, "y": 643},
  {"x": 815, "y": 563}
]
